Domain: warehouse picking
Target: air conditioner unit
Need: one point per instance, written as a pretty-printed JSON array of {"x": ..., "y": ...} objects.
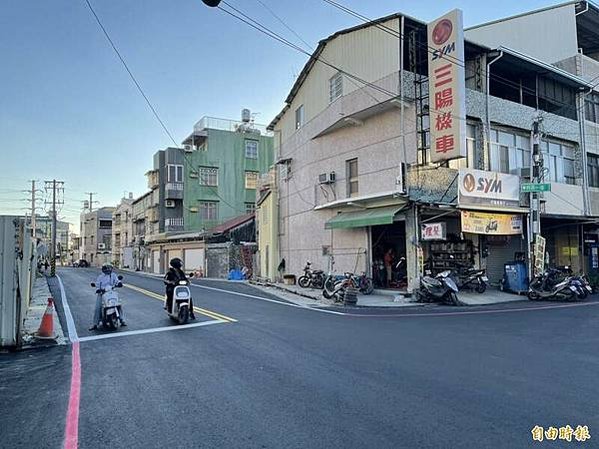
[
  {"x": 523, "y": 172},
  {"x": 169, "y": 203},
  {"x": 401, "y": 180},
  {"x": 101, "y": 245},
  {"x": 327, "y": 178},
  {"x": 188, "y": 148},
  {"x": 193, "y": 209}
]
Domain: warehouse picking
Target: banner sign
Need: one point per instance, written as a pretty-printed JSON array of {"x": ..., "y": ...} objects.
[
  {"x": 488, "y": 188},
  {"x": 491, "y": 224},
  {"x": 539, "y": 255},
  {"x": 447, "y": 87},
  {"x": 433, "y": 231}
]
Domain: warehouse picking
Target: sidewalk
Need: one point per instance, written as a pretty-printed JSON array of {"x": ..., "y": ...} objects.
[{"x": 34, "y": 315}]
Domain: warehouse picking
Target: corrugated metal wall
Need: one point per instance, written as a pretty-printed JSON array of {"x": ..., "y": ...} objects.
[
  {"x": 499, "y": 255},
  {"x": 8, "y": 283}
]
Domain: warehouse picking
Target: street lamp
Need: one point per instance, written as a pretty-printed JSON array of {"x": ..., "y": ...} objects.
[{"x": 211, "y": 3}]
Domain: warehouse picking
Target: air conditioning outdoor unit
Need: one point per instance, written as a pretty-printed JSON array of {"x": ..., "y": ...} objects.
[
  {"x": 193, "y": 209},
  {"x": 523, "y": 172},
  {"x": 188, "y": 148},
  {"x": 169, "y": 203},
  {"x": 327, "y": 178},
  {"x": 101, "y": 245}
]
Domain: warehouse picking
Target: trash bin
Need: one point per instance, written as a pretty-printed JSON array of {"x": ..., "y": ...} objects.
[{"x": 515, "y": 277}]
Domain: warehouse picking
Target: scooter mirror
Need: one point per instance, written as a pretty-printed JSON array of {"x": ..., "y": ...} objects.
[
  {"x": 93, "y": 284},
  {"x": 119, "y": 277},
  {"x": 190, "y": 275}
]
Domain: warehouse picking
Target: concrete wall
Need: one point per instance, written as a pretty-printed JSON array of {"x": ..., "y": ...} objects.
[{"x": 548, "y": 35}]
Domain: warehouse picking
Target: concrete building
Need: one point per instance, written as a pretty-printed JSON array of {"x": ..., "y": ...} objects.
[
  {"x": 144, "y": 222},
  {"x": 267, "y": 229},
  {"x": 355, "y": 178},
  {"x": 96, "y": 236},
  {"x": 122, "y": 233},
  {"x": 224, "y": 159}
]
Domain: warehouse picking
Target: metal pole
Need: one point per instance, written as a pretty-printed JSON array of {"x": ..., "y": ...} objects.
[
  {"x": 33, "y": 223},
  {"x": 53, "y": 246},
  {"x": 537, "y": 163}
]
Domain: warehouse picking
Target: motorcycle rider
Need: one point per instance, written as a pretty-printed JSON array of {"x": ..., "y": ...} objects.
[
  {"x": 106, "y": 279},
  {"x": 171, "y": 279}
]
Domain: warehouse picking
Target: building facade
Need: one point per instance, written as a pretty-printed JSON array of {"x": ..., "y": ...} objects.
[
  {"x": 267, "y": 229},
  {"x": 357, "y": 188},
  {"x": 96, "y": 236},
  {"x": 122, "y": 233},
  {"x": 224, "y": 159}
]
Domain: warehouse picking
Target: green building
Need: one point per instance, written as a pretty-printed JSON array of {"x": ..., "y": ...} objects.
[{"x": 224, "y": 160}]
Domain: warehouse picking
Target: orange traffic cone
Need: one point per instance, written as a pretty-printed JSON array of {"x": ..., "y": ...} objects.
[{"x": 46, "y": 330}]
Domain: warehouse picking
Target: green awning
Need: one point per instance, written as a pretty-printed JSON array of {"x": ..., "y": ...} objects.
[{"x": 362, "y": 218}]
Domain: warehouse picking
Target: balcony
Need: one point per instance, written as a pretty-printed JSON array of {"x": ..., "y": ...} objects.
[
  {"x": 174, "y": 191},
  {"x": 173, "y": 224}
]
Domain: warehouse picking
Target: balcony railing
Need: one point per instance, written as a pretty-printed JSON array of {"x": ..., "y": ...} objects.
[
  {"x": 230, "y": 125},
  {"x": 174, "y": 224}
]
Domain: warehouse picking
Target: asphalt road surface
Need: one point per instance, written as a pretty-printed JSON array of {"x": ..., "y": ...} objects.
[{"x": 254, "y": 372}]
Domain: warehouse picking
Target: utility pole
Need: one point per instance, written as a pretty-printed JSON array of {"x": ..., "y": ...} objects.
[
  {"x": 55, "y": 186},
  {"x": 91, "y": 201},
  {"x": 33, "y": 191},
  {"x": 536, "y": 167}
]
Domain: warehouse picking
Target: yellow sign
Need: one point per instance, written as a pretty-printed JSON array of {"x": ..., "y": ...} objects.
[
  {"x": 491, "y": 224},
  {"x": 566, "y": 433}
]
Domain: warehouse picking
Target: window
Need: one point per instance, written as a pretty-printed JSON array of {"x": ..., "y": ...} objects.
[
  {"x": 299, "y": 117},
  {"x": 251, "y": 179},
  {"x": 469, "y": 160},
  {"x": 558, "y": 162},
  {"x": 174, "y": 173},
  {"x": 335, "y": 87},
  {"x": 509, "y": 151},
  {"x": 208, "y": 210},
  {"x": 593, "y": 163},
  {"x": 105, "y": 224},
  {"x": 352, "y": 177},
  {"x": 250, "y": 208},
  {"x": 251, "y": 149},
  {"x": 208, "y": 176},
  {"x": 591, "y": 108}
]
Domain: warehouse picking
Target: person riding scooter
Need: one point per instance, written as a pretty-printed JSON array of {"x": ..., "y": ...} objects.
[
  {"x": 107, "y": 279},
  {"x": 171, "y": 279}
]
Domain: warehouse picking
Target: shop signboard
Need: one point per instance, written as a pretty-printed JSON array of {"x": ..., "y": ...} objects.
[
  {"x": 433, "y": 231},
  {"x": 447, "y": 87},
  {"x": 539, "y": 255},
  {"x": 487, "y": 188},
  {"x": 491, "y": 224}
]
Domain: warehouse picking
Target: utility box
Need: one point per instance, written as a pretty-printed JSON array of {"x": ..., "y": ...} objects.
[{"x": 515, "y": 277}]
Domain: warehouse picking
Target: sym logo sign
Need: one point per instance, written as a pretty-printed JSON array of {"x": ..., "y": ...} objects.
[{"x": 490, "y": 188}]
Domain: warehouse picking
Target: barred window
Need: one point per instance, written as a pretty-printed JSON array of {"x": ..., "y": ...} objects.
[{"x": 208, "y": 176}]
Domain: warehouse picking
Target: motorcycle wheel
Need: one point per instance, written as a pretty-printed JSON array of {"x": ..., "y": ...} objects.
[
  {"x": 533, "y": 296},
  {"x": 318, "y": 282},
  {"x": 183, "y": 315},
  {"x": 329, "y": 284},
  {"x": 481, "y": 287},
  {"x": 327, "y": 294},
  {"x": 454, "y": 300},
  {"x": 303, "y": 281},
  {"x": 368, "y": 288}
]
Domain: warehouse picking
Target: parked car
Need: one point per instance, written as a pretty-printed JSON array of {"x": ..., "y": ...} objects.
[{"x": 82, "y": 263}]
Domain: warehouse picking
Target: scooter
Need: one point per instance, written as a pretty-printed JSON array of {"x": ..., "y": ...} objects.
[
  {"x": 111, "y": 306},
  {"x": 441, "y": 288},
  {"x": 471, "y": 278},
  {"x": 542, "y": 287},
  {"x": 311, "y": 278},
  {"x": 336, "y": 291},
  {"x": 181, "y": 303}
]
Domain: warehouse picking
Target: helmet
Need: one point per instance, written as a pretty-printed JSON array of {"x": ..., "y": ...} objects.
[
  {"x": 106, "y": 269},
  {"x": 176, "y": 263}
]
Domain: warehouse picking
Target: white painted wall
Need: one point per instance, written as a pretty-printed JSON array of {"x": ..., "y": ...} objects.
[{"x": 548, "y": 35}]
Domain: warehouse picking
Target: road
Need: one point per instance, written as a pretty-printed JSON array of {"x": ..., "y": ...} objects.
[{"x": 264, "y": 374}]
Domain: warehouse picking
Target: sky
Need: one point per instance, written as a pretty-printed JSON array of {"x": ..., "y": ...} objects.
[{"x": 69, "y": 111}]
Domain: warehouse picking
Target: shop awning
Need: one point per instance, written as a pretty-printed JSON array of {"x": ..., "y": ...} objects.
[
  {"x": 494, "y": 209},
  {"x": 362, "y": 218}
]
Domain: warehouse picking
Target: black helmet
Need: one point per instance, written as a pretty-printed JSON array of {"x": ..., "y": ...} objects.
[
  {"x": 176, "y": 263},
  {"x": 106, "y": 269}
]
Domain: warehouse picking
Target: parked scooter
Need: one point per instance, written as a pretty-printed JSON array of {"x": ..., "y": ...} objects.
[
  {"x": 311, "y": 278},
  {"x": 336, "y": 290},
  {"x": 554, "y": 284},
  {"x": 441, "y": 288},
  {"x": 181, "y": 303},
  {"x": 111, "y": 306},
  {"x": 473, "y": 278}
]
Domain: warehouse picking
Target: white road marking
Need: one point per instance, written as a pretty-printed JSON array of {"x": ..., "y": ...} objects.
[
  {"x": 67, "y": 313},
  {"x": 332, "y": 312},
  {"x": 150, "y": 331}
]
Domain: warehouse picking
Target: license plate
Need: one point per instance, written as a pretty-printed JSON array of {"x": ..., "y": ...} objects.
[{"x": 484, "y": 278}]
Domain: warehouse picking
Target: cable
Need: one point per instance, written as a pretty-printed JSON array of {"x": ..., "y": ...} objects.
[{"x": 141, "y": 91}]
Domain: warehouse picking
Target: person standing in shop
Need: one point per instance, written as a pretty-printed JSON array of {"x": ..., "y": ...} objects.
[{"x": 388, "y": 260}]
